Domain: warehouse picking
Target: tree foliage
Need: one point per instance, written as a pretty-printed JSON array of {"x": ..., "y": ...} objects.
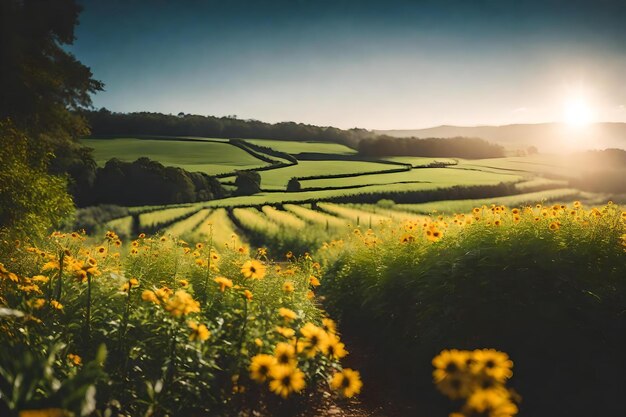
[
  {"x": 42, "y": 86},
  {"x": 146, "y": 182},
  {"x": 105, "y": 122},
  {"x": 31, "y": 200},
  {"x": 460, "y": 147}
]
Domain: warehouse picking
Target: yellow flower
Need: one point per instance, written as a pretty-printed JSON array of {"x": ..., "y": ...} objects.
[
  {"x": 289, "y": 255},
  {"x": 258, "y": 342},
  {"x": 247, "y": 294},
  {"x": 261, "y": 251},
  {"x": 285, "y": 331},
  {"x": 450, "y": 373},
  {"x": 329, "y": 325},
  {"x": 133, "y": 282},
  {"x": 287, "y": 314},
  {"x": 314, "y": 339},
  {"x": 223, "y": 283},
  {"x": 490, "y": 403},
  {"x": 449, "y": 362},
  {"x": 38, "y": 303},
  {"x": 288, "y": 286},
  {"x": 148, "y": 295},
  {"x": 314, "y": 281},
  {"x": 183, "y": 283},
  {"x": 198, "y": 331},
  {"x": 253, "y": 269},
  {"x": 285, "y": 354},
  {"x": 56, "y": 305},
  {"x": 492, "y": 363},
  {"x": 347, "y": 383},
  {"x": 182, "y": 303},
  {"x": 75, "y": 359},
  {"x": 199, "y": 246},
  {"x": 41, "y": 278},
  {"x": 335, "y": 348},
  {"x": 286, "y": 379},
  {"x": 554, "y": 226},
  {"x": 261, "y": 366}
]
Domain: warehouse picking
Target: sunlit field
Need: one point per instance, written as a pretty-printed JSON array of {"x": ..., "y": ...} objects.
[{"x": 312, "y": 208}]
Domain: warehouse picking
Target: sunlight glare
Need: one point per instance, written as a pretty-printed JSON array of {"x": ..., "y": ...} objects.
[{"x": 577, "y": 113}]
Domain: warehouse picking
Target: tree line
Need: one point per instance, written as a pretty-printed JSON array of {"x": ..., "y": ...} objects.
[
  {"x": 458, "y": 147},
  {"x": 104, "y": 122}
]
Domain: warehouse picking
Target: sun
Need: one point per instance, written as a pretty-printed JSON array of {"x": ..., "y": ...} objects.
[{"x": 577, "y": 113}]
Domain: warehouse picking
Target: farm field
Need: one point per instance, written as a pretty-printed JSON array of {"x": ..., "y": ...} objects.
[
  {"x": 435, "y": 177},
  {"x": 203, "y": 155},
  {"x": 277, "y": 178},
  {"x": 297, "y": 147}
]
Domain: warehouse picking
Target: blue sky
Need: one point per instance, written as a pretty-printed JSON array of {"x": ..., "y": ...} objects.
[{"x": 346, "y": 63}]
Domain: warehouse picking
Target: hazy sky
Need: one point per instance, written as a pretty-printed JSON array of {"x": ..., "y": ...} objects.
[{"x": 372, "y": 64}]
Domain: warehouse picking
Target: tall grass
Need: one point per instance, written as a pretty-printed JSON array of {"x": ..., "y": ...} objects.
[{"x": 545, "y": 284}]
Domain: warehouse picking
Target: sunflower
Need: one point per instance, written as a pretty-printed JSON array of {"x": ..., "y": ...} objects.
[
  {"x": 287, "y": 314},
  {"x": 261, "y": 366},
  {"x": 285, "y": 331},
  {"x": 253, "y": 269},
  {"x": 150, "y": 296},
  {"x": 288, "y": 287},
  {"x": 198, "y": 331},
  {"x": 74, "y": 359},
  {"x": 449, "y": 362},
  {"x": 329, "y": 325},
  {"x": 248, "y": 295},
  {"x": 492, "y": 363},
  {"x": 490, "y": 403},
  {"x": 286, "y": 379},
  {"x": 335, "y": 348},
  {"x": 182, "y": 303},
  {"x": 347, "y": 383},
  {"x": 554, "y": 226},
  {"x": 314, "y": 281},
  {"x": 224, "y": 283},
  {"x": 315, "y": 339},
  {"x": 56, "y": 305},
  {"x": 456, "y": 386},
  {"x": 285, "y": 354}
]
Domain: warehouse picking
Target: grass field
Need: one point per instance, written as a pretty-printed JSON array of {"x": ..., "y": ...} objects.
[
  {"x": 296, "y": 147},
  {"x": 277, "y": 178},
  {"x": 436, "y": 177},
  {"x": 215, "y": 157},
  {"x": 460, "y": 206}
]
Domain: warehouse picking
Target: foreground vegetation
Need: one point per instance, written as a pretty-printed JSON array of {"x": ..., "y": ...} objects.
[
  {"x": 542, "y": 283},
  {"x": 188, "y": 330}
]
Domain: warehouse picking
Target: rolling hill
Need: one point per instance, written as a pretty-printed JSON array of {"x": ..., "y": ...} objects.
[{"x": 547, "y": 137}]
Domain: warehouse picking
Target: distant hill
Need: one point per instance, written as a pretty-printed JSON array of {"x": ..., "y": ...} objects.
[{"x": 547, "y": 137}]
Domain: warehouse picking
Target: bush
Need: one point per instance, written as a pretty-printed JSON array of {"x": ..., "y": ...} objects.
[
  {"x": 31, "y": 200},
  {"x": 248, "y": 182},
  {"x": 547, "y": 285}
]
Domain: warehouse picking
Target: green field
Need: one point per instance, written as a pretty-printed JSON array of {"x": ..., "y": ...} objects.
[
  {"x": 276, "y": 179},
  {"x": 296, "y": 147},
  {"x": 210, "y": 157},
  {"x": 435, "y": 177}
]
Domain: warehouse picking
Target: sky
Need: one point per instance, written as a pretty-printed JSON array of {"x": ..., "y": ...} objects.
[{"x": 394, "y": 64}]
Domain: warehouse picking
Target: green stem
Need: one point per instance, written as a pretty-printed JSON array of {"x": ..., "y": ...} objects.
[
  {"x": 88, "y": 319},
  {"x": 245, "y": 322},
  {"x": 59, "y": 286}
]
